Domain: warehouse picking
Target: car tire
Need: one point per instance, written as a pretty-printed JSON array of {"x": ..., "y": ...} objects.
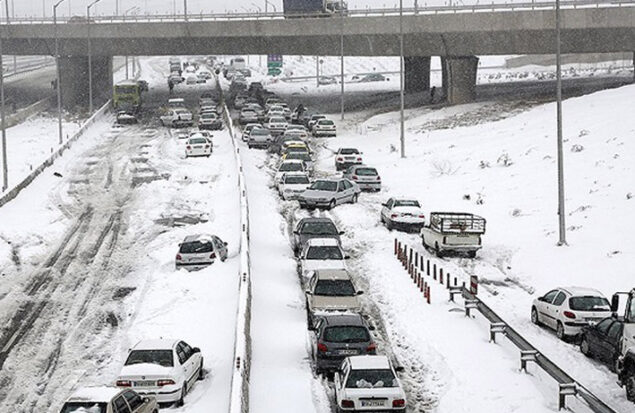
[
  {"x": 584, "y": 347},
  {"x": 438, "y": 251},
  {"x": 181, "y": 401},
  {"x": 331, "y": 204},
  {"x": 389, "y": 225},
  {"x": 534, "y": 316},
  {"x": 354, "y": 199},
  {"x": 471, "y": 254},
  {"x": 201, "y": 373},
  {"x": 560, "y": 331},
  {"x": 630, "y": 386}
]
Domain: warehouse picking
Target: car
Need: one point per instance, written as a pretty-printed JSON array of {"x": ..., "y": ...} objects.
[
  {"x": 291, "y": 165},
  {"x": 164, "y": 368},
  {"x": 292, "y": 184},
  {"x": 402, "y": 214},
  {"x": 191, "y": 79},
  {"x": 247, "y": 130},
  {"x": 271, "y": 101},
  {"x": 302, "y": 156},
  {"x": 239, "y": 101},
  {"x": 176, "y": 103},
  {"x": 293, "y": 146},
  {"x": 259, "y": 138},
  {"x": 602, "y": 341},
  {"x": 210, "y": 120},
  {"x": 373, "y": 77},
  {"x": 568, "y": 310},
  {"x": 126, "y": 118},
  {"x": 368, "y": 383},
  {"x": 324, "y": 128},
  {"x": 199, "y": 251},
  {"x": 182, "y": 134},
  {"x": 177, "y": 118},
  {"x": 175, "y": 78},
  {"x": 294, "y": 127},
  {"x": 274, "y": 113},
  {"x": 194, "y": 133},
  {"x": 255, "y": 87},
  {"x": 256, "y": 108},
  {"x": 337, "y": 336},
  {"x": 312, "y": 121},
  {"x": 247, "y": 116},
  {"x": 331, "y": 290},
  {"x": 453, "y": 232},
  {"x": 282, "y": 107},
  {"x": 296, "y": 133},
  {"x": 327, "y": 193},
  {"x": 313, "y": 227},
  {"x": 279, "y": 140},
  {"x": 198, "y": 146},
  {"x": 327, "y": 80},
  {"x": 347, "y": 157},
  {"x": 208, "y": 104},
  {"x": 365, "y": 177},
  {"x": 321, "y": 254},
  {"x": 277, "y": 125},
  {"x": 204, "y": 74},
  {"x": 106, "y": 399}
]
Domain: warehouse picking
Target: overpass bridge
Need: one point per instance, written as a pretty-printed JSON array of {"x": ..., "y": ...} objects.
[{"x": 457, "y": 34}]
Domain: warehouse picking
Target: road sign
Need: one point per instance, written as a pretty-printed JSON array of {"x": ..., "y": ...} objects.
[{"x": 274, "y": 64}]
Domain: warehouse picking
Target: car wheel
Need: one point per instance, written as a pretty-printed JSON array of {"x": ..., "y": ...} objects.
[
  {"x": 560, "y": 331},
  {"x": 201, "y": 373},
  {"x": 437, "y": 250},
  {"x": 332, "y": 204},
  {"x": 389, "y": 225},
  {"x": 181, "y": 401},
  {"x": 584, "y": 347},
  {"x": 354, "y": 200},
  {"x": 630, "y": 386},
  {"x": 534, "y": 316},
  {"x": 471, "y": 254}
]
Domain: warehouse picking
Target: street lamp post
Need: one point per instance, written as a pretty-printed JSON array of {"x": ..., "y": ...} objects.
[
  {"x": 561, "y": 218},
  {"x": 90, "y": 60},
  {"x": 57, "y": 72},
  {"x": 401, "y": 82},
  {"x": 5, "y": 168},
  {"x": 342, "y": 59},
  {"x": 185, "y": 9}
]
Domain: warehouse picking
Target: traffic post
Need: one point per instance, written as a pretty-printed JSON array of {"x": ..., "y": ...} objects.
[{"x": 474, "y": 285}]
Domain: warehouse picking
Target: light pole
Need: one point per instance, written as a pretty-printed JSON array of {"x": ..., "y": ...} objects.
[
  {"x": 401, "y": 82},
  {"x": 124, "y": 15},
  {"x": 275, "y": 9},
  {"x": 90, "y": 60},
  {"x": 116, "y": 7},
  {"x": 561, "y": 218},
  {"x": 57, "y": 71},
  {"x": 5, "y": 168},
  {"x": 185, "y": 9},
  {"x": 342, "y": 59}
]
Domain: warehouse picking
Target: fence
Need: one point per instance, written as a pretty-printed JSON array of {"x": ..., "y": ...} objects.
[
  {"x": 419, "y": 267},
  {"x": 11, "y": 194}
]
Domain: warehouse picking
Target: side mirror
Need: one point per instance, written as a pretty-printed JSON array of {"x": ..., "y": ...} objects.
[
  {"x": 384, "y": 204},
  {"x": 196, "y": 350},
  {"x": 224, "y": 243},
  {"x": 360, "y": 292},
  {"x": 541, "y": 299},
  {"x": 371, "y": 328},
  {"x": 341, "y": 232},
  {"x": 308, "y": 292},
  {"x": 615, "y": 303},
  {"x": 346, "y": 257},
  {"x": 146, "y": 400},
  {"x": 399, "y": 369}
]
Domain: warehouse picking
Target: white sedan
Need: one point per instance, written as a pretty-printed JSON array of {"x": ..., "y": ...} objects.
[
  {"x": 292, "y": 184},
  {"x": 292, "y": 165},
  {"x": 277, "y": 125},
  {"x": 177, "y": 117},
  {"x": 322, "y": 254},
  {"x": 165, "y": 369},
  {"x": 198, "y": 146},
  {"x": 368, "y": 383},
  {"x": 402, "y": 214}
]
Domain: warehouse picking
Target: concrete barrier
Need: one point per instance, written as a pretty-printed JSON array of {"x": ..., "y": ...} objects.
[{"x": 13, "y": 192}]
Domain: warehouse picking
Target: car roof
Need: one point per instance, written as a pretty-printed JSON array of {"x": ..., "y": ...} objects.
[
  {"x": 343, "y": 319},
  {"x": 369, "y": 362},
  {"x": 323, "y": 242},
  {"x": 316, "y": 219},
  {"x": 296, "y": 173},
  {"x": 198, "y": 237},
  {"x": 332, "y": 274},
  {"x": 300, "y": 161},
  {"x": 155, "y": 344},
  {"x": 99, "y": 394},
  {"x": 581, "y": 291},
  {"x": 348, "y": 149}
]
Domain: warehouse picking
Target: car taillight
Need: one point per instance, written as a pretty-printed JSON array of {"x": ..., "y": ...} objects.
[
  {"x": 348, "y": 403},
  {"x": 188, "y": 147},
  {"x": 212, "y": 255},
  {"x": 178, "y": 257},
  {"x": 359, "y": 159},
  {"x": 422, "y": 216},
  {"x": 340, "y": 159},
  {"x": 165, "y": 382},
  {"x": 322, "y": 348},
  {"x": 378, "y": 178},
  {"x": 354, "y": 177},
  {"x": 206, "y": 146},
  {"x": 569, "y": 314},
  {"x": 398, "y": 403},
  {"x": 445, "y": 240},
  {"x": 124, "y": 383},
  {"x": 371, "y": 348},
  {"x": 394, "y": 215}
]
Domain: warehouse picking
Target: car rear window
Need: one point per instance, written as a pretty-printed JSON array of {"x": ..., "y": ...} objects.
[
  {"x": 334, "y": 288},
  {"x": 196, "y": 141},
  {"x": 303, "y": 156},
  {"x": 196, "y": 247},
  {"x": 330, "y": 186},
  {"x": 349, "y": 151},
  {"x": 366, "y": 379},
  {"x": 366, "y": 171},
  {"x": 160, "y": 357},
  {"x": 589, "y": 303},
  {"x": 346, "y": 334},
  {"x": 325, "y": 122},
  {"x": 324, "y": 253},
  {"x": 407, "y": 203},
  {"x": 319, "y": 228},
  {"x": 259, "y": 131},
  {"x": 84, "y": 407},
  {"x": 291, "y": 167},
  {"x": 296, "y": 180},
  {"x": 277, "y": 120}
]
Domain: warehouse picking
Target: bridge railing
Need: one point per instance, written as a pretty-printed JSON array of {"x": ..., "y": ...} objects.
[{"x": 367, "y": 12}]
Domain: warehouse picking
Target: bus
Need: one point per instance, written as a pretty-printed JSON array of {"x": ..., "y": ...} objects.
[{"x": 127, "y": 96}]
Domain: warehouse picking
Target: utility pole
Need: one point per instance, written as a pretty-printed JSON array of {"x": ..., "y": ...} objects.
[
  {"x": 57, "y": 70},
  {"x": 342, "y": 59},
  {"x": 317, "y": 71},
  {"x": 561, "y": 218},
  {"x": 5, "y": 168},
  {"x": 90, "y": 61},
  {"x": 185, "y": 9},
  {"x": 401, "y": 82}
]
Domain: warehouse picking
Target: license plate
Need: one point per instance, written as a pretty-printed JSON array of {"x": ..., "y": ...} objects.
[
  {"x": 347, "y": 352},
  {"x": 146, "y": 383},
  {"x": 463, "y": 235},
  {"x": 198, "y": 147},
  {"x": 372, "y": 403}
]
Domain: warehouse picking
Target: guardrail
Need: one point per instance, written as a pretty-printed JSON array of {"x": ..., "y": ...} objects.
[
  {"x": 463, "y": 8},
  {"x": 239, "y": 393},
  {"x": 419, "y": 267}
]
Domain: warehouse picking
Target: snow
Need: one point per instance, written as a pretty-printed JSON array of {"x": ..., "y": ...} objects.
[{"x": 95, "y": 394}]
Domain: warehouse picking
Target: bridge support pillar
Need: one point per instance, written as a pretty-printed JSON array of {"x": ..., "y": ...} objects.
[
  {"x": 74, "y": 80},
  {"x": 459, "y": 78},
  {"x": 416, "y": 73}
]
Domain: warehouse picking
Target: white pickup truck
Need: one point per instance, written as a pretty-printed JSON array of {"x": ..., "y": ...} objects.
[{"x": 453, "y": 232}]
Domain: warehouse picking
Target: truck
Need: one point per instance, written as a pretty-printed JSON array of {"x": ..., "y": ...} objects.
[
  {"x": 626, "y": 361},
  {"x": 127, "y": 96},
  {"x": 453, "y": 232},
  {"x": 313, "y": 8}
]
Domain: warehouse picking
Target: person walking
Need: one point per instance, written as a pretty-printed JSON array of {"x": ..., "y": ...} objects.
[{"x": 432, "y": 92}]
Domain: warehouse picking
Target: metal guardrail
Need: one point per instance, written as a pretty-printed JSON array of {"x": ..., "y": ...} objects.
[{"x": 368, "y": 12}]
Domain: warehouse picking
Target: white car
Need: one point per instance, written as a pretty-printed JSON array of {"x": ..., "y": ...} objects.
[
  {"x": 568, "y": 310},
  {"x": 324, "y": 127},
  {"x": 347, "y": 157},
  {"x": 368, "y": 383},
  {"x": 313, "y": 120},
  {"x": 176, "y": 103},
  {"x": 292, "y": 184},
  {"x": 292, "y": 165},
  {"x": 164, "y": 368},
  {"x": 321, "y": 254},
  {"x": 402, "y": 214},
  {"x": 198, "y": 145},
  {"x": 177, "y": 117},
  {"x": 277, "y": 125},
  {"x": 296, "y": 133},
  {"x": 328, "y": 193},
  {"x": 106, "y": 399}
]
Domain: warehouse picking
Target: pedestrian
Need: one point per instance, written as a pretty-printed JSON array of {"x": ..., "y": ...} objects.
[
  {"x": 432, "y": 91},
  {"x": 170, "y": 85}
]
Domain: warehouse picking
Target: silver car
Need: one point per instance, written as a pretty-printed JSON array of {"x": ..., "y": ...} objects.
[
  {"x": 109, "y": 400},
  {"x": 199, "y": 251},
  {"x": 331, "y": 290},
  {"x": 259, "y": 138},
  {"x": 365, "y": 177},
  {"x": 327, "y": 193}
]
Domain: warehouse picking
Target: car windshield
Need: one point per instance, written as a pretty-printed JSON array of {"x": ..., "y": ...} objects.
[
  {"x": 367, "y": 379},
  {"x": 126, "y": 90},
  {"x": 349, "y": 151},
  {"x": 249, "y": 112},
  {"x": 366, "y": 171},
  {"x": 259, "y": 131},
  {"x": 296, "y": 180},
  {"x": 324, "y": 252},
  {"x": 160, "y": 357},
  {"x": 197, "y": 141},
  {"x": 407, "y": 203},
  {"x": 346, "y": 334},
  {"x": 84, "y": 407},
  {"x": 209, "y": 115},
  {"x": 196, "y": 247},
  {"x": 334, "y": 288},
  {"x": 319, "y": 228},
  {"x": 277, "y": 120},
  {"x": 330, "y": 186},
  {"x": 325, "y": 122},
  {"x": 589, "y": 303},
  {"x": 291, "y": 167}
]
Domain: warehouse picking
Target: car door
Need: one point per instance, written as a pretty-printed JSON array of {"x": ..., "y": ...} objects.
[
  {"x": 385, "y": 211},
  {"x": 611, "y": 344},
  {"x": 310, "y": 288},
  {"x": 185, "y": 368},
  {"x": 136, "y": 403},
  {"x": 556, "y": 309},
  {"x": 120, "y": 405},
  {"x": 544, "y": 307},
  {"x": 221, "y": 248},
  {"x": 193, "y": 362},
  {"x": 598, "y": 337},
  {"x": 340, "y": 195}
]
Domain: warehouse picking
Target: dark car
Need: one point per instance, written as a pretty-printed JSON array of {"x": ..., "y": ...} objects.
[
  {"x": 337, "y": 336},
  {"x": 308, "y": 228},
  {"x": 373, "y": 77},
  {"x": 602, "y": 341}
]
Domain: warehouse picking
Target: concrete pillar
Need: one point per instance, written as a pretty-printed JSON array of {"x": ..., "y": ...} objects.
[
  {"x": 460, "y": 72},
  {"x": 416, "y": 73},
  {"x": 74, "y": 80}
]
